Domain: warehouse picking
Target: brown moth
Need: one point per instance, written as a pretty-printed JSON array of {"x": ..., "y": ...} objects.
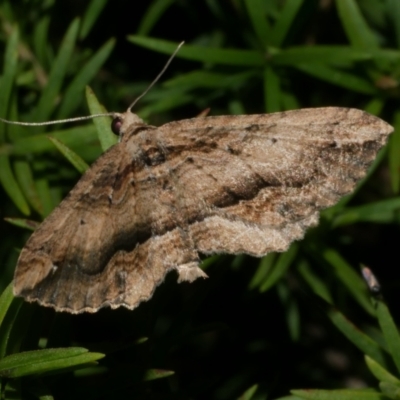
[{"x": 163, "y": 195}]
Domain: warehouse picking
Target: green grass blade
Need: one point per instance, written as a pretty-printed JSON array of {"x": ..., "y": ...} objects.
[
  {"x": 264, "y": 268},
  {"x": 47, "y": 198},
  {"x": 6, "y": 299},
  {"x": 41, "y": 44},
  {"x": 7, "y": 178},
  {"x": 394, "y": 14},
  {"x": 335, "y": 56},
  {"x": 82, "y": 79},
  {"x": 374, "y": 106},
  {"x": 390, "y": 390},
  {"x": 8, "y": 77},
  {"x": 341, "y": 394},
  {"x": 355, "y": 26},
  {"x": 338, "y": 78},
  {"x": 11, "y": 186},
  {"x": 285, "y": 21},
  {"x": 394, "y": 151},
  {"x": 106, "y": 137},
  {"x": 350, "y": 278},
  {"x": 384, "y": 211},
  {"x": 319, "y": 287},
  {"x": 207, "y": 79},
  {"x": 379, "y": 372},
  {"x": 281, "y": 266},
  {"x": 261, "y": 26},
  {"x": 90, "y": 17},
  {"x": 152, "y": 15},
  {"x": 249, "y": 393},
  {"x": 389, "y": 330},
  {"x": 25, "y": 179},
  {"x": 71, "y": 156},
  {"x": 8, "y": 336},
  {"x": 152, "y": 374},
  {"x": 272, "y": 90},
  {"x": 199, "y": 53},
  {"x": 39, "y": 361},
  {"x": 57, "y": 74},
  {"x": 292, "y": 314},
  {"x": 23, "y": 223},
  {"x": 363, "y": 342},
  {"x": 75, "y": 138}
]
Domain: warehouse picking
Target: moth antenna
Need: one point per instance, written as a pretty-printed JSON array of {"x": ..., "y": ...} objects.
[
  {"x": 109, "y": 114},
  {"x": 58, "y": 121},
  {"x": 157, "y": 77}
]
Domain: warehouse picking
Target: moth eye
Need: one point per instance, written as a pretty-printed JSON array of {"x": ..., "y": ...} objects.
[{"x": 116, "y": 125}]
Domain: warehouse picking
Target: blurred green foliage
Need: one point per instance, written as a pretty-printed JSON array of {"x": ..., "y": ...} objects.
[{"x": 257, "y": 328}]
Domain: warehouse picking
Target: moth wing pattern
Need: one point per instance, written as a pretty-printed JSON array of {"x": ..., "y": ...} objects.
[{"x": 162, "y": 196}]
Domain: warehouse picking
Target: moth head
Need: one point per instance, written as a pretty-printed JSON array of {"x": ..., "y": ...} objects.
[{"x": 125, "y": 122}]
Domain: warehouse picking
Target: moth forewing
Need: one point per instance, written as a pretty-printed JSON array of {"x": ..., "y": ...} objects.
[{"x": 161, "y": 196}]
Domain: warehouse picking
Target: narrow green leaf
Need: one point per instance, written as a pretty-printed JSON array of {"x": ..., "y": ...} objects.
[
  {"x": 11, "y": 186},
  {"x": 263, "y": 270},
  {"x": 292, "y": 314},
  {"x": 289, "y": 101},
  {"x": 374, "y": 106},
  {"x": 25, "y": 179},
  {"x": 91, "y": 371},
  {"x": 338, "y": 78},
  {"x": 71, "y": 156},
  {"x": 106, "y": 137},
  {"x": 271, "y": 90},
  {"x": 384, "y": 211},
  {"x": 165, "y": 103},
  {"x": 289, "y": 398},
  {"x": 41, "y": 45},
  {"x": 341, "y": 394},
  {"x": 154, "y": 12},
  {"x": 208, "y": 79},
  {"x": 76, "y": 138},
  {"x": 7, "y": 178},
  {"x": 393, "y": 7},
  {"x": 390, "y": 390},
  {"x": 249, "y": 393},
  {"x": 335, "y": 56},
  {"x": 82, "y": 79},
  {"x": 8, "y": 77},
  {"x": 363, "y": 342},
  {"x": 153, "y": 374},
  {"x": 6, "y": 299},
  {"x": 23, "y": 223},
  {"x": 42, "y": 186},
  {"x": 92, "y": 12},
  {"x": 389, "y": 330},
  {"x": 350, "y": 278},
  {"x": 18, "y": 328},
  {"x": 319, "y": 287},
  {"x": 285, "y": 21},
  {"x": 39, "y": 361},
  {"x": 394, "y": 151},
  {"x": 256, "y": 11},
  {"x": 57, "y": 74},
  {"x": 283, "y": 263},
  {"x": 379, "y": 372},
  {"x": 355, "y": 26},
  {"x": 204, "y": 54}
]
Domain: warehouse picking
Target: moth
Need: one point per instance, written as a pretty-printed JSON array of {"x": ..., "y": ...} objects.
[{"x": 163, "y": 195}]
